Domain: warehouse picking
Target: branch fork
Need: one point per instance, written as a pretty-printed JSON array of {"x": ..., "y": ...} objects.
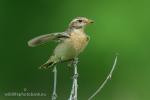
[{"x": 74, "y": 90}]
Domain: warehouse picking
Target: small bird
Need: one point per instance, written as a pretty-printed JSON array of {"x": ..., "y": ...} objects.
[{"x": 70, "y": 43}]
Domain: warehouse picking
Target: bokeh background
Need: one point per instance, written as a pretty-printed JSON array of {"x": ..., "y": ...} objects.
[{"x": 121, "y": 26}]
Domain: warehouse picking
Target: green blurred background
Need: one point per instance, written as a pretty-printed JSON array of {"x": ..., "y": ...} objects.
[{"x": 121, "y": 26}]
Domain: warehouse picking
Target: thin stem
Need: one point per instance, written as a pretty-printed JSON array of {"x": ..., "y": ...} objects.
[
  {"x": 54, "y": 95},
  {"x": 74, "y": 91},
  {"x": 75, "y": 82},
  {"x": 106, "y": 80}
]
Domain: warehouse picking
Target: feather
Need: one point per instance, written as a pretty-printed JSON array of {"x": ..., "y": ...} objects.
[{"x": 46, "y": 38}]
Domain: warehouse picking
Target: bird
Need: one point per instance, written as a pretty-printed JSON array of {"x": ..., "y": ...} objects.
[{"x": 70, "y": 42}]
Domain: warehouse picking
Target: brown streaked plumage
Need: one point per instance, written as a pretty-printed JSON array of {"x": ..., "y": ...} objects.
[{"x": 71, "y": 42}]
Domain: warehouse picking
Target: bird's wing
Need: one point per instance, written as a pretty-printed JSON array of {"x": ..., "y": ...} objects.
[{"x": 47, "y": 37}]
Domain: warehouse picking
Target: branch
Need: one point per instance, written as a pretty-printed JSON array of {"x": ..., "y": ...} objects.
[
  {"x": 74, "y": 90},
  {"x": 54, "y": 95},
  {"x": 106, "y": 80}
]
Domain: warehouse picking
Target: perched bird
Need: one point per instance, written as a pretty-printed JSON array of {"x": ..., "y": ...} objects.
[{"x": 70, "y": 43}]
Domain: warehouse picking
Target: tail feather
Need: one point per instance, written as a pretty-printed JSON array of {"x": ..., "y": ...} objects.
[
  {"x": 51, "y": 62},
  {"x": 46, "y": 65}
]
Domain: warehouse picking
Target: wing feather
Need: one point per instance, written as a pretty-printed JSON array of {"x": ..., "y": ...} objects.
[{"x": 46, "y": 38}]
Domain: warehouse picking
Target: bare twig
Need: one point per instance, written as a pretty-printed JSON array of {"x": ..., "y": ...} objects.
[
  {"x": 54, "y": 95},
  {"x": 106, "y": 80},
  {"x": 74, "y": 91}
]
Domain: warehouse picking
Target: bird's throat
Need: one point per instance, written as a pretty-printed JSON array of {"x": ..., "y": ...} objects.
[{"x": 76, "y": 30}]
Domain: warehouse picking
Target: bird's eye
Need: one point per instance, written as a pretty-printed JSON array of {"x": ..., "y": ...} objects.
[{"x": 80, "y": 21}]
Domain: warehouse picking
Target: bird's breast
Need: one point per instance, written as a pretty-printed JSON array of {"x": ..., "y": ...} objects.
[
  {"x": 79, "y": 41},
  {"x": 72, "y": 46}
]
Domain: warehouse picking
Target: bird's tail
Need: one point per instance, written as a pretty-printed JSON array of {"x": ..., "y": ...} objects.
[
  {"x": 47, "y": 65},
  {"x": 50, "y": 63}
]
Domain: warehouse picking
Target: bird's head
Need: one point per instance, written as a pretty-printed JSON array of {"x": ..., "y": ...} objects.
[{"x": 80, "y": 22}]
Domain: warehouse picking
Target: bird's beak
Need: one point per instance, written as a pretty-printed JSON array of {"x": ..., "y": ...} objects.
[{"x": 90, "y": 21}]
